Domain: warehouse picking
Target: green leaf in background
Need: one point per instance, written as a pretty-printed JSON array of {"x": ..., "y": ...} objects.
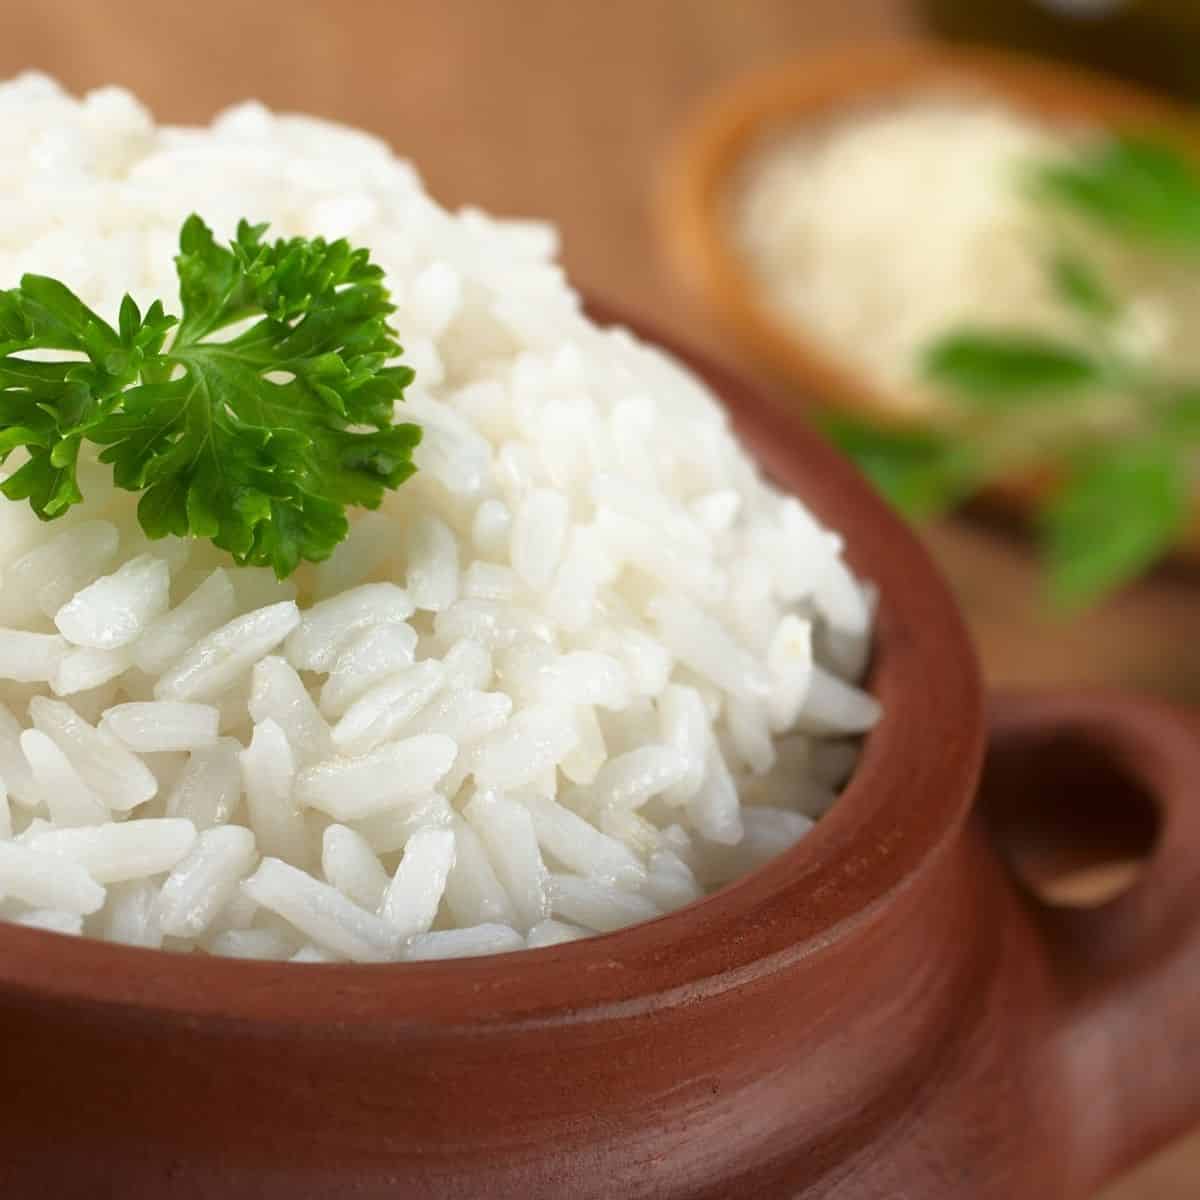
[
  {"x": 1180, "y": 417},
  {"x": 1078, "y": 284},
  {"x": 1128, "y": 494},
  {"x": 1118, "y": 512},
  {"x": 1006, "y": 369},
  {"x": 920, "y": 472},
  {"x": 1132, "y": 186}
]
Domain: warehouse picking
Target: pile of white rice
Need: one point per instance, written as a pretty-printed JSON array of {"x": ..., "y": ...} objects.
[
  {"x": 881, "y": 230},
  {"x": 583, "y": 668}
]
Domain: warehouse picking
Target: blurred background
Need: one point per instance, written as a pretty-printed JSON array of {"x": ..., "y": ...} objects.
[{"x": 574, "y": 111}]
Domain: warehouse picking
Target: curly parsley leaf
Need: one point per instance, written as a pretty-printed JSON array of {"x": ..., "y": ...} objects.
[
  {"x": 44, "y": 405},
  {"x": 270, "y": 412}
]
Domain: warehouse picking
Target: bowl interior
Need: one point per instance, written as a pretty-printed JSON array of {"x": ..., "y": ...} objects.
[{"x": 908, "y": 796}]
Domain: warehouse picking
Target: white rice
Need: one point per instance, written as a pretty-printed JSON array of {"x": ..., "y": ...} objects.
[
  {"x": 163, "y": 725},
  {"x": 40, "y": 880},
  {"x": 51, "y": 573},
  {"x": 131, "y": 915},
  {"x": 462, "y": 943},
  {"x": 583, "y": 668},
  {"x": 383, "y": 711},
  {"x": 474, "y": 895},
  {"x": 51, "y": 920},
  {"x": 200, "y": 885},
  {"x": 209, "y": 787},
  {"x": 268, "y": 782},
  {"x": 553, "y": 933},
  {"x": 69, "y": 799},
  {"x": 211, "y": 604},
  {"x": 932, "y": 186},
  {"x": 349, "y": 862},
  {"x": 115, "y": 852},
  {"x": 412, "y": 898},
  {"x": 119, "y": 778},
  {"x": 370, "y": 658},
  {"x": 31, "y": 657},
  {"x": 216, "y": 661},
  {"x": 594, "y": 904},
  {"x": 277, "y": 693},
  {"x": 115, "y": 609},
  {"x": 252, "y": 943}
]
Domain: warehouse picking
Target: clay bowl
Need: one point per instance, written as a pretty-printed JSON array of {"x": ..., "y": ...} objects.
[
  {"x": 811, "y": 90},
  {"x": 880, "y": 1012}
]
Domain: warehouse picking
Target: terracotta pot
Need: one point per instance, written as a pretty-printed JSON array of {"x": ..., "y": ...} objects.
[
  {"x": 879, "y": 1013},
  {"x": 812, "y": 89}
]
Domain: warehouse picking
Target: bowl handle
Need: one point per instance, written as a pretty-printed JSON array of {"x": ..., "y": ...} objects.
[{"x": 1127, "y": 1033}]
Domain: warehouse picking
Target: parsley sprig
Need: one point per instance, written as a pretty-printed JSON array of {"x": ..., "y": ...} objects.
[
  {"x": 255, "y": 419},
  {"x": 1120, "y": 435}
]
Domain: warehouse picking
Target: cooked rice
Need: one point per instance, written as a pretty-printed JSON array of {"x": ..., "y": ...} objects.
[{"x": 583, "y": 668}]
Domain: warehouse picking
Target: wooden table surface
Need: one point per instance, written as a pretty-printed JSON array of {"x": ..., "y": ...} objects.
[{"x": 563, "y": 108}]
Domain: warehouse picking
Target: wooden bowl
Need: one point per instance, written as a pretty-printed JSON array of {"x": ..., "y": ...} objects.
[
  {"x": 879, "y": 1012},
  {"x": 813, "y": 89}
]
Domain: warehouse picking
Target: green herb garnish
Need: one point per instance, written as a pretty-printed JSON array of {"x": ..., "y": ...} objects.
[
  {"x": 1006, "y": 369},
  {"x": 1119, "y": 510},
  {"x": 1120, "y": 433},
  {"x": 1132, "y": 186},
  {"x": 259, "y": 440},
  {"x": 1078, "y": 284},
  {"x": 920, "y": 471}
]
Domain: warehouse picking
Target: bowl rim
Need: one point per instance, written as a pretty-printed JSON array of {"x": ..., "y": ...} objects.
[{"x": 903, "y": 807}]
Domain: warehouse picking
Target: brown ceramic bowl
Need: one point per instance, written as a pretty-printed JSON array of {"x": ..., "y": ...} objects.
[
  {"x": 811, "y": 90},
  {"x": 879, "y": 1012}
]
